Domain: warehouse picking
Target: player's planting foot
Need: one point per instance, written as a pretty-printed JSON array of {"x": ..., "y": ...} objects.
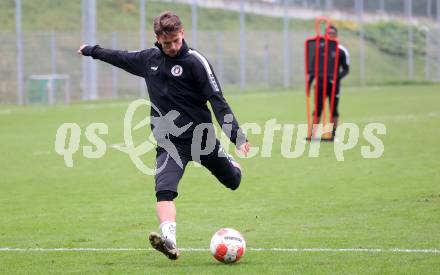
[{"x": 164, "y": 245}]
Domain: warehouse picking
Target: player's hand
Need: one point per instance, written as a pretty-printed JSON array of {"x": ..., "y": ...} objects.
[
  {"x": 79, "y": 51},
  {"x": 244, "y": 148}
]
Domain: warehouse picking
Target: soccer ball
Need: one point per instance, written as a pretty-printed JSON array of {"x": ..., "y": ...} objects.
[{"x": 228, "y": 245}]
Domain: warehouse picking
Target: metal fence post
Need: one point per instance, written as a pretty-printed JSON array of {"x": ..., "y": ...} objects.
[
  {"x": 425, "y": 29},
  {"x": 19, "y": 44},
  {"x": 143, "y": 44},
  {"x": 438, "y": 48},
  {"x": 53, "y": 64},
  {"x": 408, "y": 8},
  {"x": 53, "y": 52},
  {"x": 438, "y": 12},
  {"x": 84, "y": 61},
  {"x": 286, "y": 45},
  {"x": 89, "y": 67},
  {"x": 194, "y": 23},
  {"x": 242, "y": 46},
  {"x": 115, "y": 70},
  {"x": 92, "y": 40},
  {"x": 360, "y": 11},
  {"x": 429, "y": 9},
  {"x": 382, "y": 6}
]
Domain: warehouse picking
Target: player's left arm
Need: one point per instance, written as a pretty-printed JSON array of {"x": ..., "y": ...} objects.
[
  {"x": 344, "y": 62},
  {"x": 211, "y": 89}
]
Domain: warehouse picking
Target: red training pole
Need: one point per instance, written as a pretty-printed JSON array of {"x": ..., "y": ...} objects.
[{"x": 307, "y": 88}]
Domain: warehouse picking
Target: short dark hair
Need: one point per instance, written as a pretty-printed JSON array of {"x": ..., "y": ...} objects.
[
  {"x": 166, "y": 23},
  {"x": 333, "y": 28}
]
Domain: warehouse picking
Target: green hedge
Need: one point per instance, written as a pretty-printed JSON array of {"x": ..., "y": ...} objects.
[{"x": 392, "y": 38}]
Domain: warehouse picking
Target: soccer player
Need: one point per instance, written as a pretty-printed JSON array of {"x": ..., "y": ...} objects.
[
  {"x": 180, "y": 82},
  {"x": 342, "y": 71}
]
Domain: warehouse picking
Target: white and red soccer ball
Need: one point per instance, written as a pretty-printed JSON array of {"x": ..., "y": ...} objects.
[{"x": 228, "y": 245}]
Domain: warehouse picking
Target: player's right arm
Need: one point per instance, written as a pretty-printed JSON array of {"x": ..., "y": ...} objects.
[{"x": 132, "y": 62}]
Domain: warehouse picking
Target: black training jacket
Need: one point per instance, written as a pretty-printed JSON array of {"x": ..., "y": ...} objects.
[{"x": 183, "y": 83}]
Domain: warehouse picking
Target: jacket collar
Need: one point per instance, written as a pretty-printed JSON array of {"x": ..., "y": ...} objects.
[{"x": 182, "y": 52}]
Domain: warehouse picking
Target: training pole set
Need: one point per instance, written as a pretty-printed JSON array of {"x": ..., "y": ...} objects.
[{"x": 321, "y": 65}]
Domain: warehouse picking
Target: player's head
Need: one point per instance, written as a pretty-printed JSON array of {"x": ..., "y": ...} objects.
[
  {"x": 169, "y": 32},
  {"x": 332, "y": 31}
]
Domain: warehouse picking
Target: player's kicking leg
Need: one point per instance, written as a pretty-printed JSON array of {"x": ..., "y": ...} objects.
[{"x": 223, "y": 167}]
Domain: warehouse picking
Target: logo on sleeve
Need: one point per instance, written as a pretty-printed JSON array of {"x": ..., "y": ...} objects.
[{"x": 177, "y": 70}]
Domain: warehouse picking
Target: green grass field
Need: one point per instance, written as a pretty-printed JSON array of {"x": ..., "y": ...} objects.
[{"x": 385, "y": 203}]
